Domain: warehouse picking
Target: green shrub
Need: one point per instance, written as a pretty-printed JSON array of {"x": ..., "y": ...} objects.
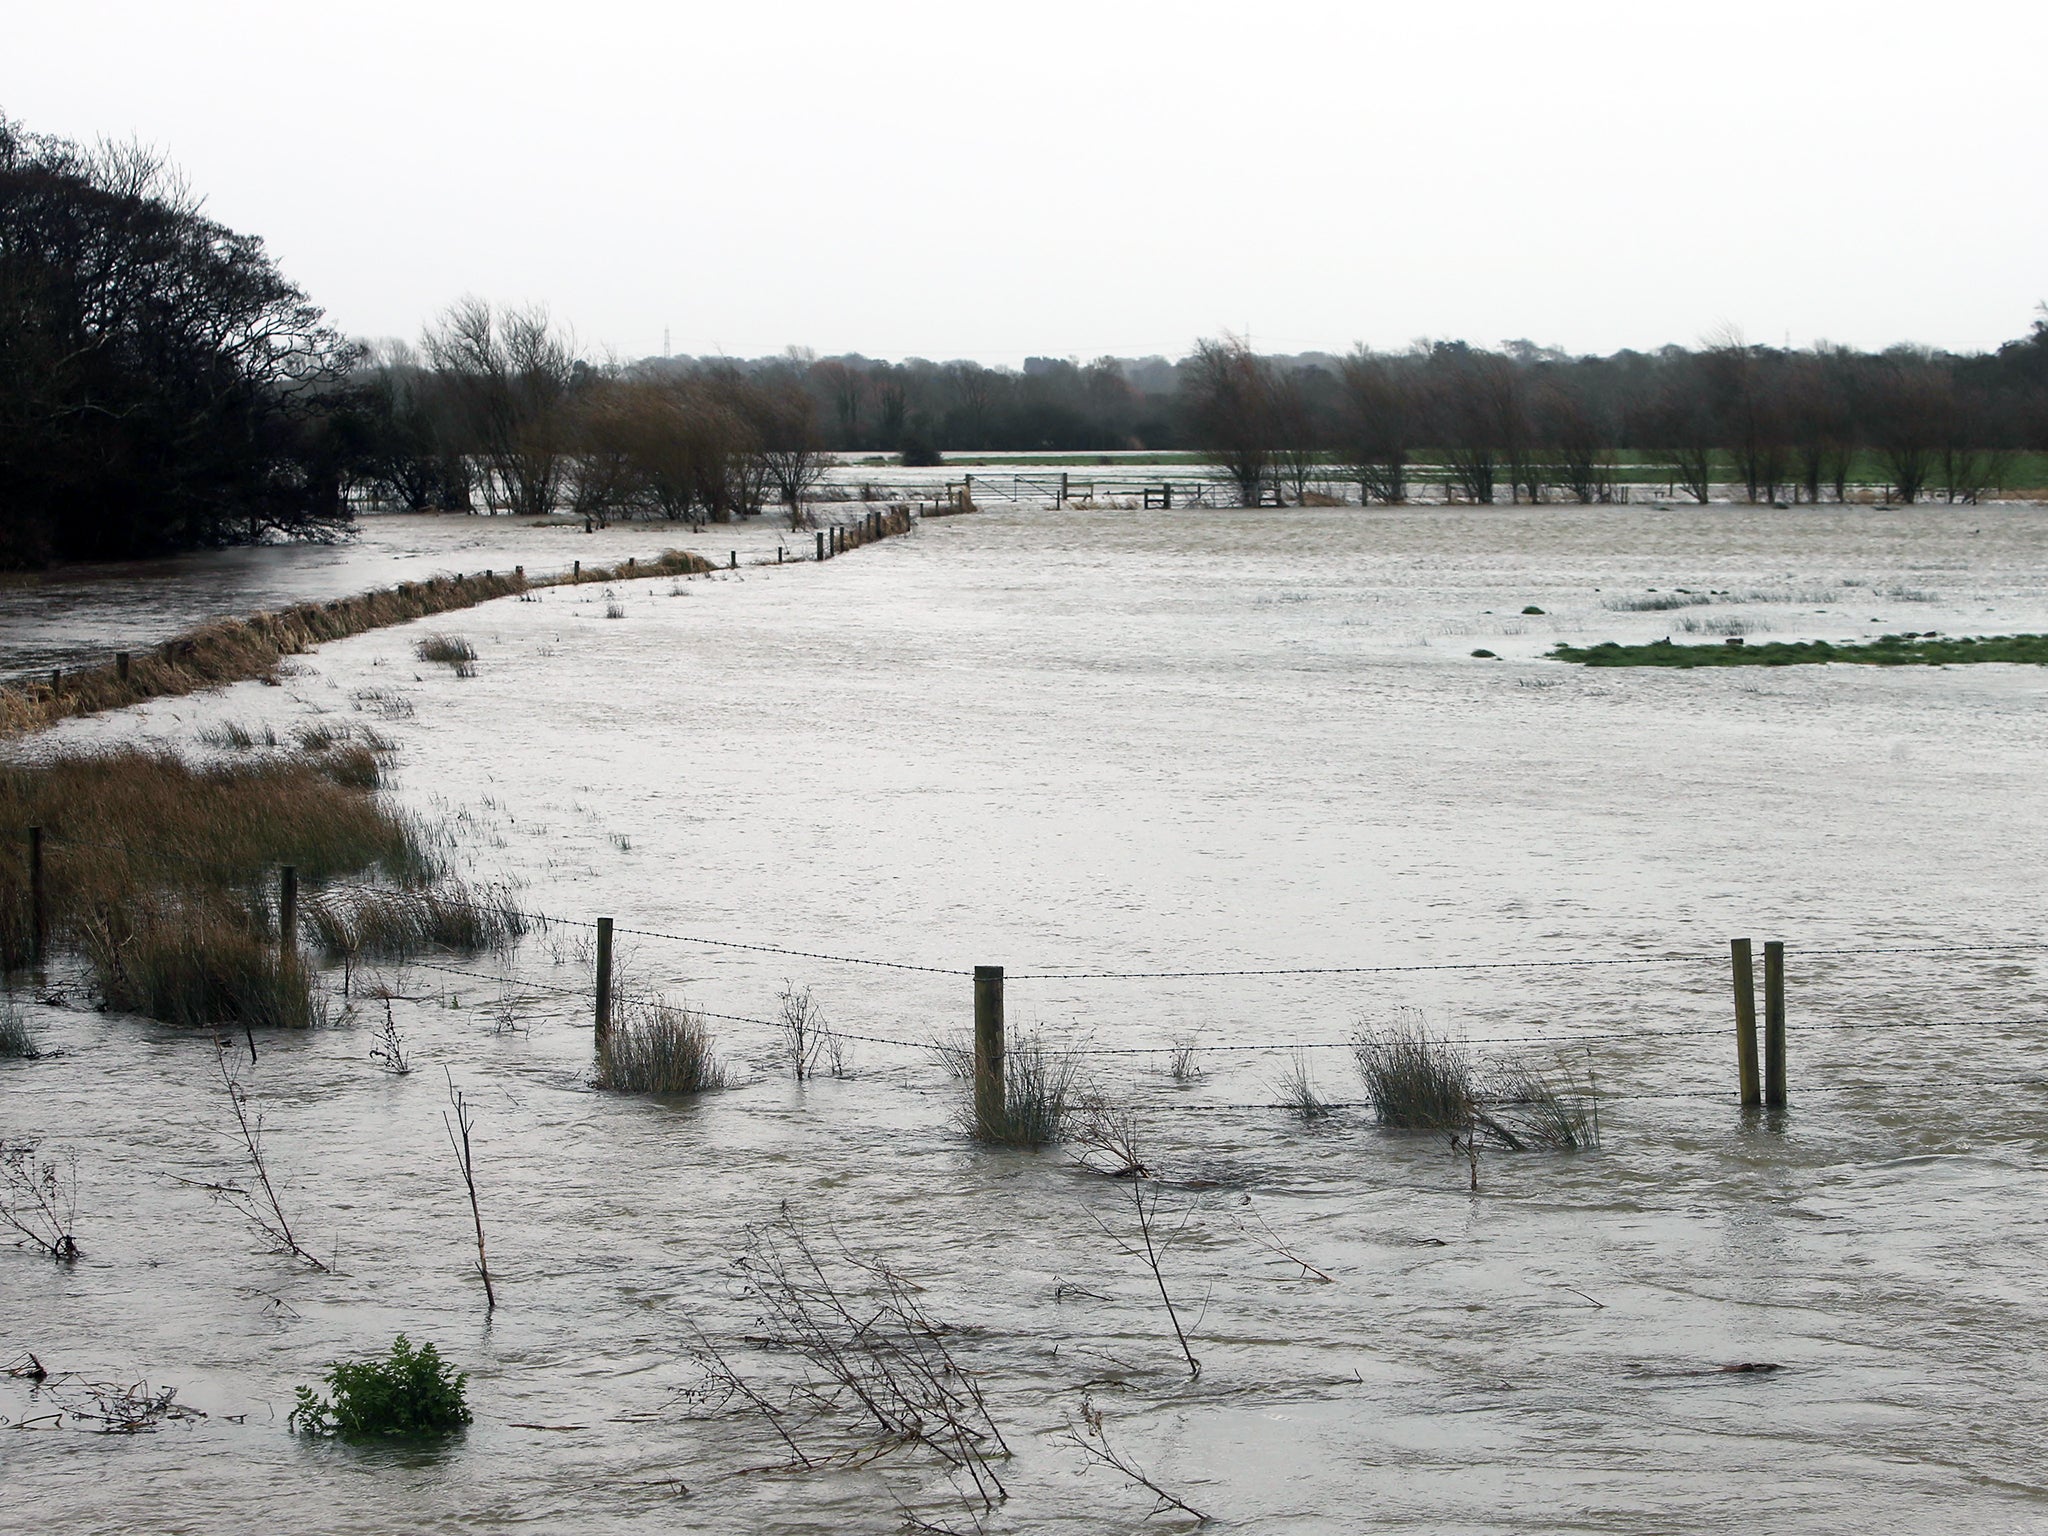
[{"x": 411, "y": 1393}]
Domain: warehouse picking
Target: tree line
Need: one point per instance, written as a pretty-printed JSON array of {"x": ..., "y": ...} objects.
[
  {"x": 1526, "y": 423},
  {"x": 164, "y": 387}
]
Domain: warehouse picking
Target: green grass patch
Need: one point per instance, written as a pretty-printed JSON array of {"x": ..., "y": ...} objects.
[{"x": 1907, "y": 650}]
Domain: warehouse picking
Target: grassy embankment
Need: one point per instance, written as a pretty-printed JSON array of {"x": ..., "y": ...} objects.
[
  {"x": 239, "y": 650},
  {"x": 1907, "y": 650},
  {"x": 162, "y": 875}
]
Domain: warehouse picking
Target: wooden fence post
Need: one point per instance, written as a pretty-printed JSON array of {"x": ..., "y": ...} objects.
[
  {"x": 36, "y": 907},
  {"x": 1745, "y": 1023},
  {"x": 604, "y": 977},
  {"x": 121, "y": 665},
  {"x": 1774, "y": 1024},
  {"x": 821, "y": 544},
  {"x": 288, "y": 912},
  {"x": 576, "y": 571},
  {"x": 733, "y": 560},
  {"x": 1063, "y": 490},
  {"x": 988, "y": 1050}
]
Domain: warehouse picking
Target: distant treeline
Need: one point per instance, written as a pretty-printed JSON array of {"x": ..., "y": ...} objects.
[{"x": 164, "y": 387}]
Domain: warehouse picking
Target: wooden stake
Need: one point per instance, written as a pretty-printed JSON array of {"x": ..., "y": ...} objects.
[
  {"x": 821, "y": 544},
  {"x": 733, "y": 560},
  {"x": 988, "y": 1049},
  {"x": 121, "y": 665},
  {"x": 1745, "y": 1023},
  {"x": 1774, "y": 1024},
  {"x": 576, "y": 571},
  {"x": 36, "y": 907},
  {"x": 604, "y": 977}
]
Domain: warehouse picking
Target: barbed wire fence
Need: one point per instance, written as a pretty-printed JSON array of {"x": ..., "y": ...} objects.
[{"x": 592, "y": 1004}]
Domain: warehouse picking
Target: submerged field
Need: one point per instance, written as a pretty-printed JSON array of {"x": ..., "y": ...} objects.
[{"x": 1085, "y": 745}]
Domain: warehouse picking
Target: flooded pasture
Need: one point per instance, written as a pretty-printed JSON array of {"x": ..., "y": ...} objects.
[{"x": 1086, "y": 746}]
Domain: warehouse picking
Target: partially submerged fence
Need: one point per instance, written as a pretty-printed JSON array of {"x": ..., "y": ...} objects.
[{"x": 1758, "y": 1066}]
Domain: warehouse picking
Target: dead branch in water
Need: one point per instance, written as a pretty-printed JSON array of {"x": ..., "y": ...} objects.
[
  {"x": 1091, "y": 1435},
  {"x": 39, "y": 1199},
  {"x": 458, "y": 1122},
  {"x": 1269, "y": 1240},
  {"x": 872, "y": 1367},
  {"x": 260, "y": 1205},
  {"x": 1150, "y": 1248}
]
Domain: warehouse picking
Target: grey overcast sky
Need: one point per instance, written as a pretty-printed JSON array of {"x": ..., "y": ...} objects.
[{"x": 994, "y": 180}]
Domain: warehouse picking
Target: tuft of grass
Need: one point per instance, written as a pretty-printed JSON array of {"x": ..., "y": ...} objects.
[
  {"x": 230, "y": 733},
  {"x": 614, "y": 609},
  {"x": 954, "y": 1051},
  {"x": 1907, "y": 650},
  {"x": 1722, "y": 626},
  {"x": 17, "y": 1040},
  {"x": 1656, "y": 602},
  {"x": 1298, "y": 1091},
  {"x": 451, "y": 650},
  {"x": 196, "y": 964},
  {"x": 1553, "y": 1111},
  {"x": 654, "y": 1046},
  {"x": 1416, "y": 1082},
  {"x": 1041, "y": 1090},
  {"x": 127, "y": 831},
  {"x": 407, "y": 1394},
  {"x": 360, "y": 923}
]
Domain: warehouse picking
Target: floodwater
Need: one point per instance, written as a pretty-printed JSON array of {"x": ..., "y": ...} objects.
[{"x": 1129, "y": 742}]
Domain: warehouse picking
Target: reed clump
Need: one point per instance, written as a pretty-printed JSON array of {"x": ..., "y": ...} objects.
[
  {"x": 655, "y": 1046},
  {"x": 454, "y": 651},
  {"x": 1041, "y": 1093},
  {"x": 197, "y": 963},
  {"x": 17, "y": 1040},
  {"x": 377, "y": 923},
  {"x": 161, "y": 873},
  {"x": 1416, "y": 1082},
  {"x": 1419, "y": 1082}
]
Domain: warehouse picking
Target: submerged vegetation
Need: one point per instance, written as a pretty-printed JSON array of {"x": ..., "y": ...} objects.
[
  {"x": 409, "y": 1393},
  {"x": 1416, "y": 1081},
  {"x": 1904, "y": 650}
]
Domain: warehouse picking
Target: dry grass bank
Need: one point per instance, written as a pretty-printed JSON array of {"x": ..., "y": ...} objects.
[{"x": 239, "y": 650}]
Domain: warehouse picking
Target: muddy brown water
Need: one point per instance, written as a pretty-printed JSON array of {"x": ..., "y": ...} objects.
[{"x": 1126, "y": 742}]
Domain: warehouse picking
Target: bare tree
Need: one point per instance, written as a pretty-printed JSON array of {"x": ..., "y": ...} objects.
[
  {"x": 1578, "y": 442},
  {"x": 1298, "y": 436},
  {"x": 792, "y": 450},
  {"x": 1680, "y": 428},
  {"x": 1749, "y": 400},
  {"x": 1228, "y": 394},
  {"x": 1907, "y": 408},
  {"x": 512, "y": 374},
  {"x": 1377, "y": 417}
]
